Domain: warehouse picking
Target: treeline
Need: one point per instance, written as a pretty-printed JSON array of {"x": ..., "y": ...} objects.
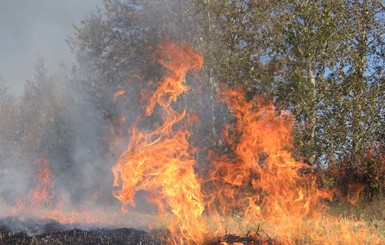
[
  {"x": 51, "y": 118},
  {"x": 323, "y": 60}
]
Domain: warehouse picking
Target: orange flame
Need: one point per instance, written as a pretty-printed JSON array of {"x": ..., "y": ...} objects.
[
  {"x": 117, "y": 94},
  {"x": 41, "y": 196},
  {"x": 262, "y": 179},
  {"x": 42, "y": 193},
  {"x": 43, "y": 202},
  {"x": 259, "y": 181},
  {"x": 159, "y": 161}
]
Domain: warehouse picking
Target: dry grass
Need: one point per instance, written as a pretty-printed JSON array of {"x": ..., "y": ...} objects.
[
  {"x": 343, "y": 224},
  {"x": 372, "y": 213}
]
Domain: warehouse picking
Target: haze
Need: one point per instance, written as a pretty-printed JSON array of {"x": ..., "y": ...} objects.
[{"x": 30, "y": 30}]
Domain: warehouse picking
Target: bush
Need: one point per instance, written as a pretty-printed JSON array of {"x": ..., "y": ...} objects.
[{"x": 363, "y": 172}]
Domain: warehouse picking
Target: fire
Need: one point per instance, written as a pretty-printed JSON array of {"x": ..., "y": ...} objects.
[
  {"x": 255, "y": 183},
  {"x": 117, "y": 94},
  {"x": 258, "y": 183},
  {"x": 42, "y": 201},
  {"x": 262, "y": 182},
  {"x": 253, "y": 187},
  {"x": 41, "y": 195},
  {"x": 159, "y": 161},
  {"x": 262, "y": 179}
]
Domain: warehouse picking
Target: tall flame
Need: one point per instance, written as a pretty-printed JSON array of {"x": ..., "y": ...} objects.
[
  {"x": 42, "y": 194},
  {"x": 258, "y": 182},
  {"x": 159, "y": 161},
  {"x": 262, "y": 178}
]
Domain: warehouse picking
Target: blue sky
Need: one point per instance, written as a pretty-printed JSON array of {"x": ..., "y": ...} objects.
[{"x": 33, "y": 29}]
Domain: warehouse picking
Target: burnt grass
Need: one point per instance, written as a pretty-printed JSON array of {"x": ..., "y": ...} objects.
[
  {"x": 77, "y": 236},
  {"x": 35, "y": 232},
  {"x": 16, "y": 231}
]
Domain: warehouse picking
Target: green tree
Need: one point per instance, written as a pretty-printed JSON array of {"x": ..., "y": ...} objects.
[
  {"x": 353, "y": 99},
  {"x": 323, "y": 60},
  {"x": 116, "y": 45}
]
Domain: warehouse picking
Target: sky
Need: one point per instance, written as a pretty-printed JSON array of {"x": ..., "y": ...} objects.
[{"x": 34, "y": 29}]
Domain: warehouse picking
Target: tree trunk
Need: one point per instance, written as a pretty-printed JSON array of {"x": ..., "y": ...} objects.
[
  {"x": 211, "y": 79},
  {"x": 312, "y": 114}
]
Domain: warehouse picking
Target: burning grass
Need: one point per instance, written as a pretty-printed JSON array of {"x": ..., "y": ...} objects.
[
  {"x": 259, "y": 181},
  {"x": 256, "y": 194},
  {"x": 329, "y": 231}
]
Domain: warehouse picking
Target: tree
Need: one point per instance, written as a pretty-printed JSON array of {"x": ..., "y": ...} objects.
[
  {"x": 353, "y": 98},
  {"x": 322, "y": 60},
  {"x": 115, "y": 49}
]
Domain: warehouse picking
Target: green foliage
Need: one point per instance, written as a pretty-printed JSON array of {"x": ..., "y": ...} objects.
[
  {"x": 323, "y": 60},
  {"x": 324, "y": 66}
]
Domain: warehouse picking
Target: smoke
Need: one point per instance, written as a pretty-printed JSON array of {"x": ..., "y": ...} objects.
[
  {"x": 13, "y": 181},
  {"x": 72, "y": 122},
  {"x": 54, "y": 168},
  {"x": 52, "y": 118}
]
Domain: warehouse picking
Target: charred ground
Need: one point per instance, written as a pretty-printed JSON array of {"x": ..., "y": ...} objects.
[
  {"x": 33, "y": 231},
  {"x": 27, "y": 231}
]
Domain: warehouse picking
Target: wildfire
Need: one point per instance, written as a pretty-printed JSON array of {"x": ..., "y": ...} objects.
[
  {"x": 259, "y": 183},
  {"x": 254, "y": 187},
  {"x": 42, "y": 201},
  {"x": 41, "y": 195},
  {"x": 159, "y": 161},
  {"x": 262, "y": 179}
]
